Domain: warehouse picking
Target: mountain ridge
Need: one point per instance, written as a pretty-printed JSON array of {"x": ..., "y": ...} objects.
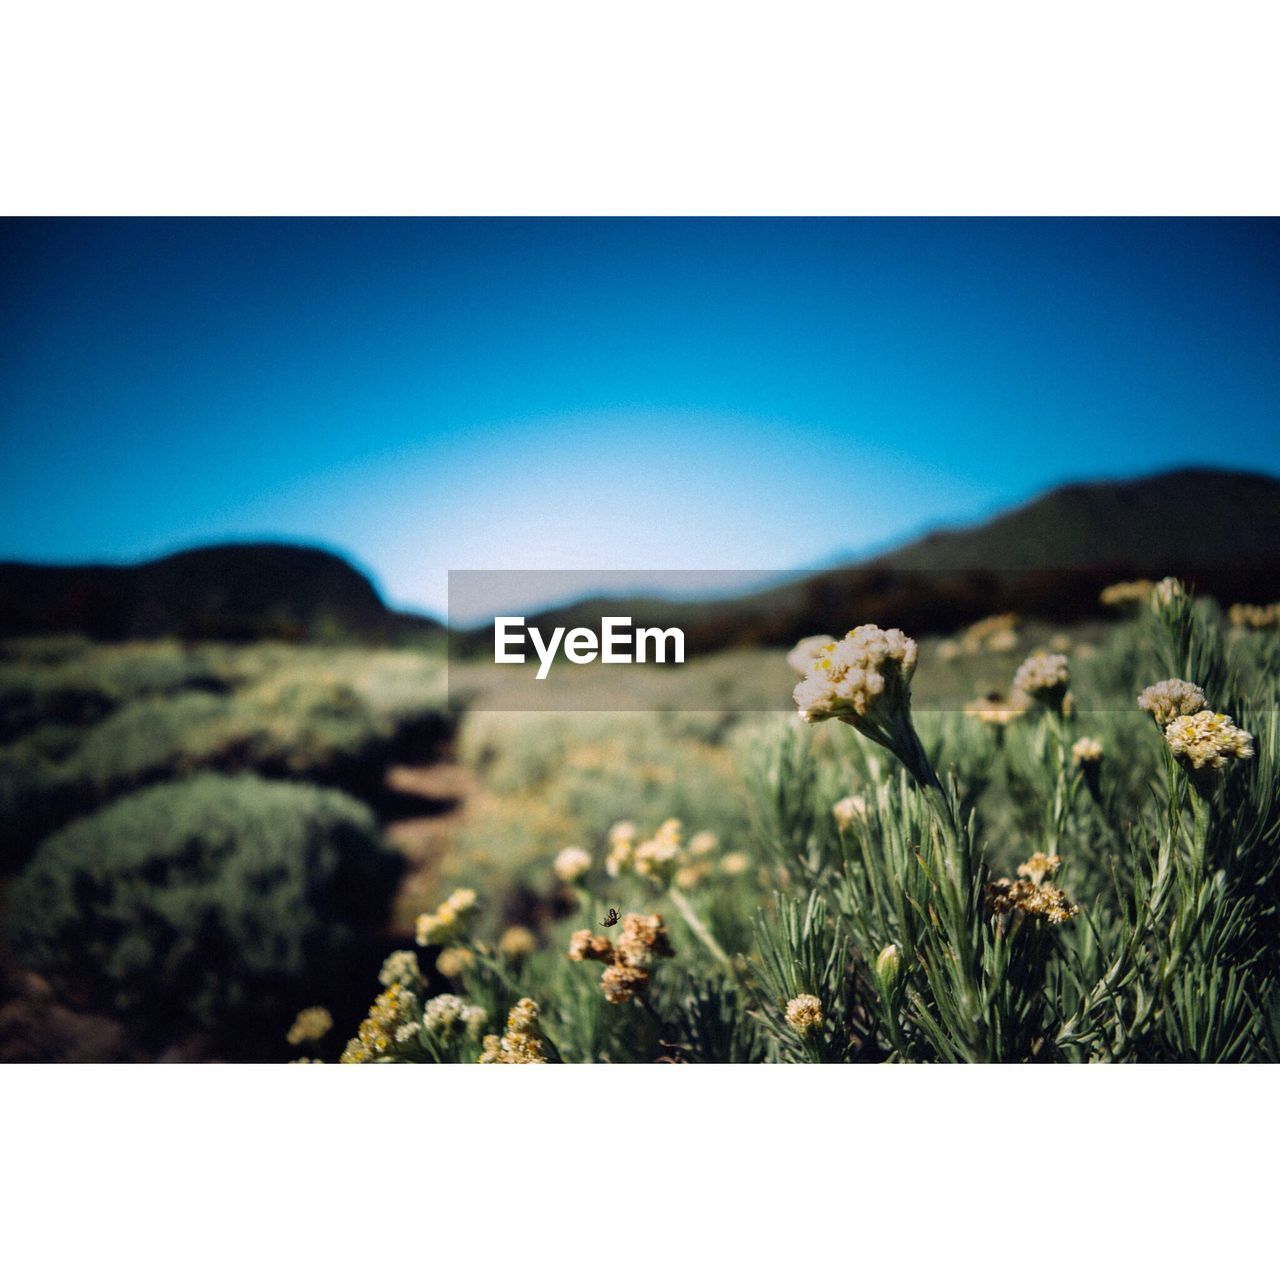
[
  {"x": 223, "y": 591},
  {"x": 1046, "y": 557},
  {"x": 1124, "y": 507}
]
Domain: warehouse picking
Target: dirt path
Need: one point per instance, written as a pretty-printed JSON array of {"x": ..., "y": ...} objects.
[{"x": 429, "y": 802}]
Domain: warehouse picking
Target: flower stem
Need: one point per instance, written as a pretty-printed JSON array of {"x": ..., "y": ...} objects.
[{"x": 700, "y": 930}]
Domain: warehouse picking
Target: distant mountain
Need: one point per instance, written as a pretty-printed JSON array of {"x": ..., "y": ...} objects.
[
  {"x": 1195, "y": 516},
  {"x": 1049, "y": 559},
  {"x": 237, "y": 591}
]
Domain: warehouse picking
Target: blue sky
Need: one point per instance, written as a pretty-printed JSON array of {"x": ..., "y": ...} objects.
[{"x": 609, "y": 394}]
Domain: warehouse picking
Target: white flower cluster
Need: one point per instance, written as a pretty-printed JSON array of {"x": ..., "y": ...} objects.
[
  {"x": 572, "y": 864},
  {"x": 703, "y": 844},
  {"x": 1040, "y": 867},
  {"x": 802, "y": 656},
  {"x": 657, "y": 857},
  {"x": 1207, "y": 741},
  {"x": 445, "y": 1015},
  {"x": 622, "y": 836},
  {"x": 804, "y": 1014},
  {"x": 1166, "y": 593},
  {"x": 401, "y": 967},
  {"x": 1170, "y": 699},
  {"x": 1044, "y": 676},
  {"x": 848, "y": 677},
  {"x": 1086, "y": 751}
]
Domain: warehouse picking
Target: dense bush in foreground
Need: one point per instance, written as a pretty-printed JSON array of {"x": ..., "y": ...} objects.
[
  {"x": 82, "y": 724},
  {"x": 1082, "y": 867},
  {"x": 201, "y": 902}
]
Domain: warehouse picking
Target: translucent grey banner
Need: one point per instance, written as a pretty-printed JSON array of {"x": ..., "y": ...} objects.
[
  {"x": 611, "y": 640},
  {"x": 717, "y": 640}
]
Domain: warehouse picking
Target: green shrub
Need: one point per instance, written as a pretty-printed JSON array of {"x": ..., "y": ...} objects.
[
  {"x": 203, "y": 901},
  {"x": 34, "y": 792},
  {"x": 32, "y": 697},
  {"x": 322, "y": 734},
  {"x": 78, "y": 685}
]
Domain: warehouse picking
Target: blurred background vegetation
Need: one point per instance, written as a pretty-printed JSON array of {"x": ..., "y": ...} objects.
[{"x": 230, "y": 780}]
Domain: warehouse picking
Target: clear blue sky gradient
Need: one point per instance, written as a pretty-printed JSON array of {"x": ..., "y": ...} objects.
[{"x": 615, "y": 394}]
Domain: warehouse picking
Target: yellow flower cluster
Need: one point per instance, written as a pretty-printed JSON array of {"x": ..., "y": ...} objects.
[
  {"x": 804, "y": 1014},
  {"x": 1040, "y": 867},
  {"x": 585, "y": 945},
  {"x": 849, "y": 677},
  {"x": 448, "y": 920},
  {"x": 453, "y": 962},
  {"x": 1031, "y": 899},
  {"x": 1207, "y": 741},
  {"x": 518, "y": 941},
  {"x": 848, "y": 810},
  {"x": 667, "y": 858},
  {"x": 521, "y": 1043},
  {"x": 394, "y": 1009},
  {"x": 697, "y": 863},
  {"x": 311, "y": 1024},
  {"x": 996, "y": 710},
  {"x": 1031, "y": 894},
  {"x": 997, "y": 634},
  {"x": 1255, "y": 617},
  {"x": 628, "y": 963},
  {"x": 657, "y": 858},
  {"x": 1121, "y": 593}
]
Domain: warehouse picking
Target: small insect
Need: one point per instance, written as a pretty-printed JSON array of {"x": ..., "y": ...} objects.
[{"x": 610, "y": 918}]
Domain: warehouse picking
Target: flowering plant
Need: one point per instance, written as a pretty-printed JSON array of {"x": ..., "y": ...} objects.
[{"x": 1083, "y": 868}]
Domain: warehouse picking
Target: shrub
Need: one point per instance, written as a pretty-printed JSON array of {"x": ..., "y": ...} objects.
[
  {"x": 78, "y": 685},
  {"x": 196, "y": 902},
  {"x": 33, "y": 794},
  {"x": 323, "y": 734}
]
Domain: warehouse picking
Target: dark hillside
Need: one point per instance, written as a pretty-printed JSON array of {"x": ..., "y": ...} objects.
[
  {"x": 246, "y": 591},
  {"x": 1049, "y": 559}
]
